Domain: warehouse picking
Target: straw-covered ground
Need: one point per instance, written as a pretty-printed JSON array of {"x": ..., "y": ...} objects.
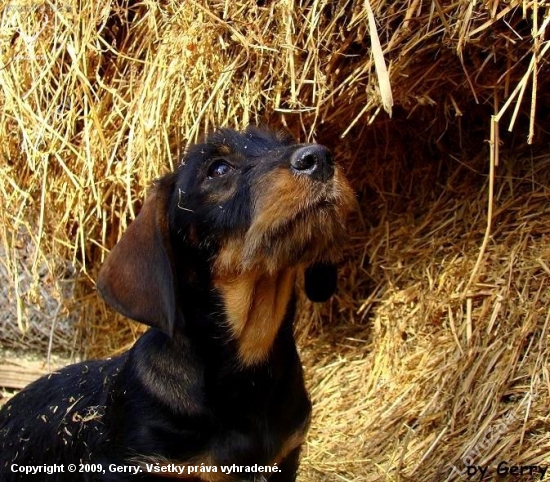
[{"x": 433, "y": 356}]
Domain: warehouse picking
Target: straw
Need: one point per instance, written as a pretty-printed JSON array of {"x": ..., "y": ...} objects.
[{"x": 434, "y": 350}]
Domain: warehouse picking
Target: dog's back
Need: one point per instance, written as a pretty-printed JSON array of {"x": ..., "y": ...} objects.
[{"x": 59, "y": 417}]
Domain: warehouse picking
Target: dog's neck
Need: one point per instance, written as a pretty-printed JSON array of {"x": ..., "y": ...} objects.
[
  {"x": 171, "y": 370},
  {"x": 255, "y": 304},
  {"x": 255, "y": 307}
]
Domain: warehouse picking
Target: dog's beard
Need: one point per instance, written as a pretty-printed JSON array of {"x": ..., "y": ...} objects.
[
  {"x": 296, "y": 222},
  {"x": 314, "y": 235}
]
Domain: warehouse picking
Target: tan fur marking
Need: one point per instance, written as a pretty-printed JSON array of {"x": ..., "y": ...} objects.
[
  {"x": 255, "y": 305},
  {"x": 283, "y": 195},
  {"x": 221, "y": 196},
  {"x": 229, "y": 259},
  {"x": 292, "y": 442},
  {"x": 285, "y": 198},
  {"x": 224, "y": 150}
]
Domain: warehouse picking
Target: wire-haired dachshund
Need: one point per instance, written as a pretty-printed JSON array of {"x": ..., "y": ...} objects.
[{"x": 214, "y": 391}]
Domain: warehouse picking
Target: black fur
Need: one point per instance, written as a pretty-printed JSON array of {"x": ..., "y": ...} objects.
[{"x": 180, "y": 394}]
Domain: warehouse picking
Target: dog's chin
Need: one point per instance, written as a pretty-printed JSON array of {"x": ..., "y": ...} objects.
[
  {"x": 300, "y": 235},
  {"x": 314, "y": 235}
]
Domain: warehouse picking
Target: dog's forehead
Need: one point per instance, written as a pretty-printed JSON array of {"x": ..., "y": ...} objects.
[{"x": 253, "y": 142}]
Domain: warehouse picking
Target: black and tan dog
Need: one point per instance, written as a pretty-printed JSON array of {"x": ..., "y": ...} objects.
[{"x": 210, "y": 264}]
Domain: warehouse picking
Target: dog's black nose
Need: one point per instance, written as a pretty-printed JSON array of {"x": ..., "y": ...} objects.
[{"x": 313, "y": 160}]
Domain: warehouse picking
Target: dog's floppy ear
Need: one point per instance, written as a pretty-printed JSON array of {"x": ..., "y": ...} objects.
[
  {"x": 320, "y": 281},
  {"x": 137, "y": 278}
]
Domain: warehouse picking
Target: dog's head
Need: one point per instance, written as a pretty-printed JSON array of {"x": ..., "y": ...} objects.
[{"x": 241, "y": 216}]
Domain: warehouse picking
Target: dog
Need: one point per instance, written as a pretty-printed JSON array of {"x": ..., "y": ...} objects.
[{"x": 214, "y": 390}]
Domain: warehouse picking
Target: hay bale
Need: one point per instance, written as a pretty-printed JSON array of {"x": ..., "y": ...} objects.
[{"x": 439, "y": 332}]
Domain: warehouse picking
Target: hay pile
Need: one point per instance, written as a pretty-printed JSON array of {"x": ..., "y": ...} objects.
[
  {"x": 430, "y": 373},
  {"x": 436, "y": 346}
]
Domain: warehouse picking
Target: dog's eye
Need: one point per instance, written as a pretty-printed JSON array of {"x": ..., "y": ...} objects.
[{"x": 219, "y": 169}]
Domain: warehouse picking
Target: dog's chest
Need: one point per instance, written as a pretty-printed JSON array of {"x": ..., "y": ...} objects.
[
  {"x": 242, "y": 424},
  {"x": 231, "y": 456}
]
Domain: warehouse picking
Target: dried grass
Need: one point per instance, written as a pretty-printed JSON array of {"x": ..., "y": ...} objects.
[
  {"x": 440, "y": 329},
  {"x": 438, "y": 376}
]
